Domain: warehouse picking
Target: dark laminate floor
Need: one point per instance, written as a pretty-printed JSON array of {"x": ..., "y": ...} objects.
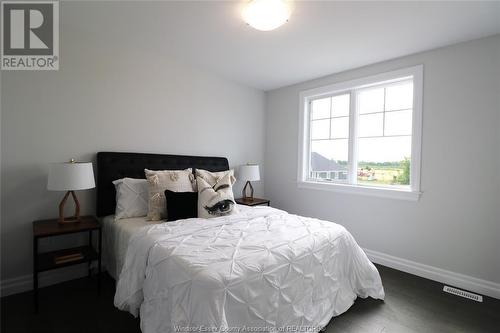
[{"x": 412, "y": 304}]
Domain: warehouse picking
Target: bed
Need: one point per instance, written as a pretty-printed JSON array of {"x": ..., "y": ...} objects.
[
  {"x": 116, "y": 236},
  {"x": 261, "y": 269}
]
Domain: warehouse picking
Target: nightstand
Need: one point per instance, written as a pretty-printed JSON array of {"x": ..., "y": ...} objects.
[
  {"x": 65, "y": 257},
  {"x": 252, "y": 201}
]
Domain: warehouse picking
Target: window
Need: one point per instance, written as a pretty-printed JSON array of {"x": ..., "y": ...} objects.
[{"x": 363, "y": 136}]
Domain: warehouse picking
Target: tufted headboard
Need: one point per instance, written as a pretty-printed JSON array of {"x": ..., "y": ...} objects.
[{"x": 115, "y": 165}]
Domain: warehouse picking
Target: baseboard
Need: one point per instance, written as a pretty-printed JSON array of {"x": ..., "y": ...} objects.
[
  {"x": 25, "y": 283},
  {"x": 462, "y": 281}
]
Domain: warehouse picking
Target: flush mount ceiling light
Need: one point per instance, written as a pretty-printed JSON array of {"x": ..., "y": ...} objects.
[{"x": 266, "y": 15}]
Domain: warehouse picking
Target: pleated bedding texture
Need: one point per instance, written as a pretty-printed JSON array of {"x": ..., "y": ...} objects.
[{"x": 259, "y": 270}]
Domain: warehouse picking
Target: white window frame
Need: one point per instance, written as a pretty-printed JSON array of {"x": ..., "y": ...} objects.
[{"x": 406, "y": 193}]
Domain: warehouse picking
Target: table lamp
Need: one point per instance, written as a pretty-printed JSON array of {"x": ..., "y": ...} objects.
[
  {"x": 70, "y": 177},
  {"x": 249, "y": 172}
]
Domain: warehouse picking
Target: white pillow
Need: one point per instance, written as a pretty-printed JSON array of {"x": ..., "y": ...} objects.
[{"x": 131, "y": 198}]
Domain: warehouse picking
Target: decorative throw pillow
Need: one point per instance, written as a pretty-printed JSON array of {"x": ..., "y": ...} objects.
[
  {"x": 181, "y": 205},
  {"x": 215, "y": 200},
  {"x": 159, "y": 181},
  {"x": 131, "y": 198}
]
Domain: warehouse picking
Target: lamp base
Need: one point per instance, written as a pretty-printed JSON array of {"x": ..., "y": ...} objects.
[
  {"x": 72, "y": 219},
  {"x": 244, "y": 192}
]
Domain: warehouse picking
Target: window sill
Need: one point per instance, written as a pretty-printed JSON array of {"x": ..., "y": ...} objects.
[{"x": 391, "y": 193}]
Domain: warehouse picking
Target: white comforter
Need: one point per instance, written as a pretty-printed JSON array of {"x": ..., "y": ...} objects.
[{"x": 261, "y": 269}]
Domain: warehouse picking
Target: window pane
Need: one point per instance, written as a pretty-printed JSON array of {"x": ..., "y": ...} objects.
[
  {"x": 329, "y": 160},
  {"x": 320, "y": 108},
  {"x": 384, "y": 161},
  {"x": 398, "y": 123},
  {"x": 399, "y": 96},
  {"x": 320, "y": 129},
  {"x": 340, "y": 105},
  {"x": 331, "y": 149},
  {"x": 371, "y": 100},
  {"x": 371, "y": 125},
  {"x": 340, "y": 128}
]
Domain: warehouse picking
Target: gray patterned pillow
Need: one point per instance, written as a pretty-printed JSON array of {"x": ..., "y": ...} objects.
[
  {"x": 159, "y": 181},
  {"x": 131, "y": 198}
]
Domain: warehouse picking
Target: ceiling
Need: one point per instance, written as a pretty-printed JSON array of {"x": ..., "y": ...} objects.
[{"x": 320, "y": 38}]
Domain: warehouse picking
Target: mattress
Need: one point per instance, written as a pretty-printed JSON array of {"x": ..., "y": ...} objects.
[
  {"x": 116, "y": 235},
  {"x": 260, "y": 270}
]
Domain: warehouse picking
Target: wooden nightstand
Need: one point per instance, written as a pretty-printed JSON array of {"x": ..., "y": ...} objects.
[
  {"x": 65, "y": 257},
  {"x": 252, "y": 201}
]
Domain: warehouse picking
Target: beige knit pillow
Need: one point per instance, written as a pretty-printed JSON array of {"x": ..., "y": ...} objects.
[
  {"x": 212, "y": 177},
  {"x": 159, "y": 181}
]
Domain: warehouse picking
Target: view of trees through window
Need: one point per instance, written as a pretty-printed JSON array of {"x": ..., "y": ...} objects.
[{"x": 375, "y": 173}]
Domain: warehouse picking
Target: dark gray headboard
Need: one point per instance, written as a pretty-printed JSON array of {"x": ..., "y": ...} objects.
[{"x": 115, "y": 165}]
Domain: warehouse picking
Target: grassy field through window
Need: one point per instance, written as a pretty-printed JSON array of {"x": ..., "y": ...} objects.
[{"x": 384, "y": 173}]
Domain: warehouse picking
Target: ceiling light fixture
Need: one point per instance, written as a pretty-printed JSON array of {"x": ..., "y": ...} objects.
[{"x": 266, "y": 15}]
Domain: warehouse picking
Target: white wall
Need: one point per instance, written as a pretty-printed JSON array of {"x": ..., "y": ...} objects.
[
  {"x": 455, "y": 226},
  {"x": 109, "y": 96}
]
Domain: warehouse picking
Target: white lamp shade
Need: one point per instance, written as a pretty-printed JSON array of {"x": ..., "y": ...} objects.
[
  {"x": 249, "y": 172},
  {"x": 70, "y": 176}
]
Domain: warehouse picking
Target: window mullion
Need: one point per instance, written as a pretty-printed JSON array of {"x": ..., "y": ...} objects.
[
  {"x": 383, "y": 115},
  {"x": 309, "y": 140},
  {"x": 352, "y": 154},
  {"x": 330, "y": 124}
]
